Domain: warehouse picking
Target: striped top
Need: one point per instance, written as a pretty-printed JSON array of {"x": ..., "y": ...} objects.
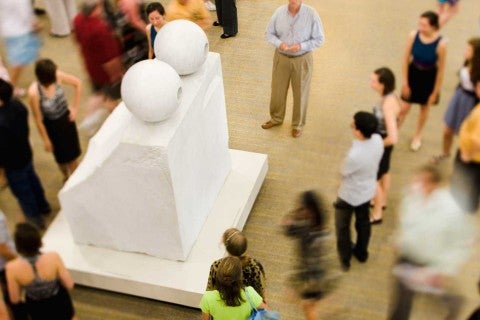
[{"x": 55, "y": 107}]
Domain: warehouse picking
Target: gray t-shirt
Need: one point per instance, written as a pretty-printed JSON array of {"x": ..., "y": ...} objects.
[
  {"x": 5, "y": 238},
  {"x": 359, "y": 171}
]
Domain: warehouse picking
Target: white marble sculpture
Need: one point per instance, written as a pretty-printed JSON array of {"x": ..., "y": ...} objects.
[{"x": 153, "y": 172}]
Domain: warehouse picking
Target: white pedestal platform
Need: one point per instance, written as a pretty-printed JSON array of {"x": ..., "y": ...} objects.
[{"x": 146, "y": 276}]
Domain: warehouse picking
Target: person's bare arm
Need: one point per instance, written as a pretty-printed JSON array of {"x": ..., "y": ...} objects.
[
  {"x": 77, "y": 85},
  {"x": 34, "y": 100},
  {"x": 441, "y": 53},
  {"x": 405, "y": 62}
]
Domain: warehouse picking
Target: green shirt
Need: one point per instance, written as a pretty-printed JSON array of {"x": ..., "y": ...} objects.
[{"x": 212, "y": 304}]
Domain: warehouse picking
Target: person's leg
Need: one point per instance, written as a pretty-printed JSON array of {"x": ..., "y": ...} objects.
[
  {"x": 465, "y": 184},
  {"x": 229, "y": 17},
  {"x": 422, "y": 119},
  {"x": 57, "y": 13},
  {"x": 343, "y": 218},
  {"x": 310, "y": 309},
  {"x": 19, "y": 181},
  {"x": 363, "y": 228},
  {"x": 280, "y": 83},
  {"x": 404, "y": 110},
  {"x": 454, "y": 303},
  {"x": 219, "y": 5},
  {"x": 402, "y": 301},
  {"x": 447, "y": 142},
  {"x": 37, "y": 189},
  {"x": 301, "y": 79}
]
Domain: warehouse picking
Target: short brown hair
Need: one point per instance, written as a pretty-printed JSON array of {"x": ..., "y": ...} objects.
[
  {"x": 235, "y": 242},
  {"x": 27, "y": 239}
]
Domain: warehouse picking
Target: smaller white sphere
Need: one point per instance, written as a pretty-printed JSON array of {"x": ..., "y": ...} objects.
[
  {"x": 151, "y": 90},
  {"x": 183, "y": 45}
]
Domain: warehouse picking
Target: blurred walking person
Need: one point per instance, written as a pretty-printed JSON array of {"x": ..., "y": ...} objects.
[{"x": 432, "y": 244}]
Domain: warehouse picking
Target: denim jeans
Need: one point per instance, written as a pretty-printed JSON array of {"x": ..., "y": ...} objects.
[{"x": 28, "y": 190}]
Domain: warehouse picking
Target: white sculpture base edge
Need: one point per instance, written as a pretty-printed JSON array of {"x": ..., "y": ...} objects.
[{"x": 171, "y": 281}]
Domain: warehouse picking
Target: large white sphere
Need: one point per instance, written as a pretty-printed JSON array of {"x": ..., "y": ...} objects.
[
  {"x": 183, "y": 45},
  {"x": 151, "y": 90}
]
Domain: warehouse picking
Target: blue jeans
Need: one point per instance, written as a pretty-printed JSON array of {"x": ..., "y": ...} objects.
[{"x": 28, "y": 190}]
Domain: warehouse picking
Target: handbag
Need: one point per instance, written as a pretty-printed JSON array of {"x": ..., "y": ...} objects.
[{"x": 261, "y": 314}]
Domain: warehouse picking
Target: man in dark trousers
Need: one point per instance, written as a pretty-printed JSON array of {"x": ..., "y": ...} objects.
[
  {"x": 359, "y": 176},
  {"x": 16, "y": 157}
]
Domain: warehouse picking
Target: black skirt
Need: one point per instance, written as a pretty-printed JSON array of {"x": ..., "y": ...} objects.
[
  {"x": 64, "y": 137},
  {"x": 421, "y": 82}
]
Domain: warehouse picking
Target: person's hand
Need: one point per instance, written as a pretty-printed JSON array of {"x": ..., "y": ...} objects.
[
  {"x": 465, "y": 157},
  {"x": 432, "y": 99},
  {"x": 48, "y": 146},
  {"x": 295, "y": 48},
  {"x": 437, "y": 281},
  {"x": 283, "y": 46},
  {"x": 73, "y": 115},
  {"x": 406, "y": 92}
]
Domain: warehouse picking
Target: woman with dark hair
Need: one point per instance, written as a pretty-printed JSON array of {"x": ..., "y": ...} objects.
[
  {"x": 423, "y": 68},
  {"x": 382, "y": 81},
  {"x": 42, "y": 276},
  {"x": 308, "y": 224},
  {"x": 231, "y": 299},
  {"x": 55, "y": 121},
  {"x": 156, "y": 17},
  {"x": 464, "y": 98},
  {"x": 252, "y": 270}
]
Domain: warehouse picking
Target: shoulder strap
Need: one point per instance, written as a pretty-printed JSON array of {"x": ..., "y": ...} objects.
[{"x": 31, "y": 261}]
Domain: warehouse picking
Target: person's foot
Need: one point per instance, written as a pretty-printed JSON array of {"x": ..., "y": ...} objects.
[
  {"x": 210, "y": 6},
  {"x": 54, "y": 35},
  {"x": 415, "y": 145},
  {"x": 226, "y": 36},
  {"x": 216, "y": 23},
  {"x": 269, "y": 124},
  {"x": 375, "y": 221},
  {"x": 439, "y": 158},
  {"x": 359, "y": 257},
  {"x": 296, "y": 133},
  {"x": 345, "y": 266}
]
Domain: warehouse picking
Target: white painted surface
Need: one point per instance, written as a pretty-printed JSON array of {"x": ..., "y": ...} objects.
[
  {"x": 151, "y": 90},
  {"x": 149, "y": 187},
  {"x": 172, "y": 281}
]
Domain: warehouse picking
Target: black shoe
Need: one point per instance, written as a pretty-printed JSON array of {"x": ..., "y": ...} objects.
[
  {"x": 225, "y": 36},
  {"x": 216, "y": 23},
  {"x": 376, "y": 221},
  {"x": 345, "y": 266},
  {"x": 39, "y": 12},
  {"x": 360, "y": 258}
]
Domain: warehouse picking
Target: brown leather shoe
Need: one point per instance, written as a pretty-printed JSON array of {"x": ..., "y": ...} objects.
[
  {"x": 296, "y": 133},
  {"x": 269, "y": 124}
]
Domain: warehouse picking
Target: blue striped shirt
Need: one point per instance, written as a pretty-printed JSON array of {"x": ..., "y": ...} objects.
[{"x": 304, "y": 28}]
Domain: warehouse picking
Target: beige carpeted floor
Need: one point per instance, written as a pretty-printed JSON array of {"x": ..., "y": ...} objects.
[{"x": 361, "y": 35}]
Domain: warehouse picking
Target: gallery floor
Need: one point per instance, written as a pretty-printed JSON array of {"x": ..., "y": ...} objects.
[{"x": 360, "y": 36}]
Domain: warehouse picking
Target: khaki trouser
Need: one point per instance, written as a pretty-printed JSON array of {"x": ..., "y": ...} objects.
[{"x": 298, "y": 72}]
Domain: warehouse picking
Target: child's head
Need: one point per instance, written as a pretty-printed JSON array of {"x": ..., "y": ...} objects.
[
  {"x": 46, "y": 72},
  {"x": 155, "y": 13}
]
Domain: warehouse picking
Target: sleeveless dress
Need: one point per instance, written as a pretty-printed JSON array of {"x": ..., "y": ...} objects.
[
  {"x": 384, "y": 165},
  {"x": 462, "y": 102},
  {"x": 61, "y": 131},
  {"x": 422, "y": 70},
  {"x": 47, "y": 299}
]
